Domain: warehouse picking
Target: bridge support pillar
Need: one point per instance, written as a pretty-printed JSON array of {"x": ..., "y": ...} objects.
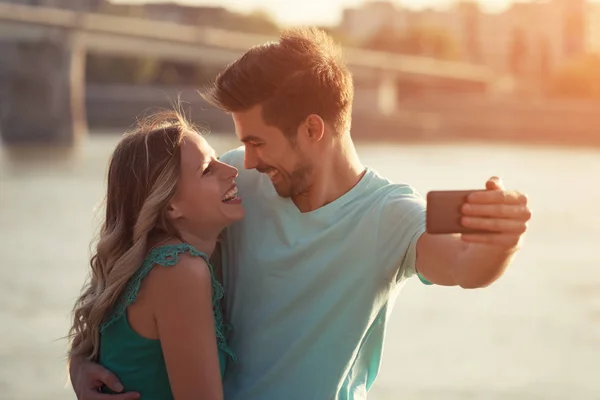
[
  {"x": 387, "y": 95},
  {"x": 376, "y": 95},
  {"x": 42, "y": 88}
]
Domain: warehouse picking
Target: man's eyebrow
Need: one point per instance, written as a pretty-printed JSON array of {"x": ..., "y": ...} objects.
[{"x": 251, "y": 139}]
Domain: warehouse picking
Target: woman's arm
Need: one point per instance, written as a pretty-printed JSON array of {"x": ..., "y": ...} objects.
[{"x": 182, "y": 304}]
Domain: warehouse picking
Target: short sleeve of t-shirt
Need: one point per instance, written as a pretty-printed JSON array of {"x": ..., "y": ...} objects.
[{"x": 401, "y": 224}]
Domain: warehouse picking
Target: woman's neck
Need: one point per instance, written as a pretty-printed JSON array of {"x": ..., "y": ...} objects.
[{"x": 203, "y": 244}]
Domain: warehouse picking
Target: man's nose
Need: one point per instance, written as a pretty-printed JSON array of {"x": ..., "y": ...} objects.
[{"x": 250, "y": 159}]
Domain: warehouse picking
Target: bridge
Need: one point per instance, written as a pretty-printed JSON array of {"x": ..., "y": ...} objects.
[{"x": 42, "y": 67}]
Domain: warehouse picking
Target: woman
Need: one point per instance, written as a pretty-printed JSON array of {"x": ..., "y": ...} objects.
[{"x": 151, "y": 311}]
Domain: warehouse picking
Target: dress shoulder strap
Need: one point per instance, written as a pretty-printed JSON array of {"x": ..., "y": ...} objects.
[{"x": 168, "y": 256}]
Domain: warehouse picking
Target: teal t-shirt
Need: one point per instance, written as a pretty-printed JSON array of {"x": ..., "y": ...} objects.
[{"x": 309, "y": 294}]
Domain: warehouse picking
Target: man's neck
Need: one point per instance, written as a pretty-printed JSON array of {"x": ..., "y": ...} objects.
[{"x": 334, "y": 177}]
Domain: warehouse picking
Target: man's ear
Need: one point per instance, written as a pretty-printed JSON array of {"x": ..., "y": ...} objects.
[{"x": 315, "y": 127}]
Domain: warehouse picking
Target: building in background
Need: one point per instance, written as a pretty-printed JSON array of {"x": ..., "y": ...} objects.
[
  {"x": 523, "y": 39},
  {"x": 359, "y": 24},
  {"x": 592, "y": 24},
  {"x": 184, "y": 14},
  {"x": 526, "y": 38}
]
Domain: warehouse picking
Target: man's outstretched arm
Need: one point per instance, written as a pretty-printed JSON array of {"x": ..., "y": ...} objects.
[{"x": 477, "y": 260}]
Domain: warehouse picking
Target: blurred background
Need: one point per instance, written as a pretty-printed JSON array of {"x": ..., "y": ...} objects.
[{"x": 447, "y": 94}]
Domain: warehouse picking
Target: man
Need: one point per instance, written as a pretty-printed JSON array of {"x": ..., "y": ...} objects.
[{"x": 311, "y": 272}]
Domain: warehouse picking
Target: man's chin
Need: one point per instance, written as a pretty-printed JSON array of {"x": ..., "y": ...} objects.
[{"x": 281, "y": 190}]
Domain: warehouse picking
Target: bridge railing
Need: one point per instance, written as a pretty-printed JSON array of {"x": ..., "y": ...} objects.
[{"x": 239, "y": 41}]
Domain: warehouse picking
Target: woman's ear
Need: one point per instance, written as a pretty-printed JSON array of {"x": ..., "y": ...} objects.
[{"x": 173, "y": 211}]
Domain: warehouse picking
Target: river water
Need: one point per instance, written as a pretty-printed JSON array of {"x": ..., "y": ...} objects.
[{"x": 535, "y": 334}]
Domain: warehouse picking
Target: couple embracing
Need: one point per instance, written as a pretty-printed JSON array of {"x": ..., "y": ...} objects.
[{"x": 269, "y": 272}]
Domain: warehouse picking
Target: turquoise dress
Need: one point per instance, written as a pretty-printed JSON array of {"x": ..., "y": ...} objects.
[{"x": 137, "y": 361}]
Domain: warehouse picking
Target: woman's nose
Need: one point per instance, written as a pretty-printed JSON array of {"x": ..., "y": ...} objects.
[{"x": 229, "y": 171}]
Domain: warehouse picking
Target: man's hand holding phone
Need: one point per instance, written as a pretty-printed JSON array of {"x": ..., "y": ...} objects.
[{"x": 492, "y": 216}]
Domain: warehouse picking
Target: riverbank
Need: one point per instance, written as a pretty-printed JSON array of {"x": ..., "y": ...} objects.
[{"x": 421, "y": 118}]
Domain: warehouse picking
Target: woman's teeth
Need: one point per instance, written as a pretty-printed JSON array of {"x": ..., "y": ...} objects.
[{"x": 230, "y": 195}]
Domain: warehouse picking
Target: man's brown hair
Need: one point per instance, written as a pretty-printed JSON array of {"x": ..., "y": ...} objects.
[{"x": 301, "y": 74}]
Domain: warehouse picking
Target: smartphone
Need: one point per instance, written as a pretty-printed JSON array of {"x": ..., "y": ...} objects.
[{"x": 444, "y": 212}]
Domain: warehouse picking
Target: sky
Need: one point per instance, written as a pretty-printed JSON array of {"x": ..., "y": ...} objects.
[{"x": 318, "y": 12}]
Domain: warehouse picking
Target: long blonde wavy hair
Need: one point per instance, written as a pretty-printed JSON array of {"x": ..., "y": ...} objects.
[{"x": 142, "y": 179}]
